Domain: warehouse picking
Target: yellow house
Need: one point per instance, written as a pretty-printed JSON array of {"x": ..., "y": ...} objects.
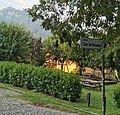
[
  {"x": 72, "y": 67},
  {"x": 61, "y": 64}
]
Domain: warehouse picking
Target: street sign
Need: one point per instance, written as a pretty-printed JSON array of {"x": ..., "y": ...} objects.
[{"x": 89, "y": 43}]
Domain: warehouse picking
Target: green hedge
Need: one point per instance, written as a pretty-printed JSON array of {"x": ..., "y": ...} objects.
[
  {"x": 117, "y": 97},
  {"x": 53, "y": 82}
]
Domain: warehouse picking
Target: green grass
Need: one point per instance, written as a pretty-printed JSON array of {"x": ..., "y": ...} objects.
[{"x": 80, "y": 107}]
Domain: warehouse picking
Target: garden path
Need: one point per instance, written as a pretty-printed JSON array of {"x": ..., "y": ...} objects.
[{"x": 14, "y": 106}]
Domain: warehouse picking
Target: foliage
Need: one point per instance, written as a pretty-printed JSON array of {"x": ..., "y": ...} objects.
[
  {"x": 73, "y": 19},
  {"x": 15, "y": 42},
  {"x": 37, "y": 53},
  {"x": 81, "y": 19},
  {"x": 117, "y": 96},
  {"x": 52, "y": 82},
  {"x": 4, "y": 71},
  {"x": 48, "y": 45},
  {"x": 113, "y": 53}
]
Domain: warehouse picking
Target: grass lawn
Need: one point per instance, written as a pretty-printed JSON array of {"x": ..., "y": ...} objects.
[{"x": 80, "y": 107}]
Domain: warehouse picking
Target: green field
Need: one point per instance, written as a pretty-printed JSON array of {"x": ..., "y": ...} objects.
[{"x": 79, "y": 107}]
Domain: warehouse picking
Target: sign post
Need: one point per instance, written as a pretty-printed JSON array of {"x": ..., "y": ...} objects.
[
  {"x": 88, "y": 43},
  {"x": 103, "y": 88}
]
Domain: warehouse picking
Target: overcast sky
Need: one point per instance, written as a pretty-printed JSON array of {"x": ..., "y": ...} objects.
[{"x": 18, "y": 4}]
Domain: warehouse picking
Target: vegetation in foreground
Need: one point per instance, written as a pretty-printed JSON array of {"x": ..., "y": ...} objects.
[
  {"x": 80, "y": 107},
  {"x": 53, "y": 82}
]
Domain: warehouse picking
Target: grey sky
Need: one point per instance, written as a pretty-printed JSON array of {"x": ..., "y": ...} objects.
[{"x": 18, "y": 4}]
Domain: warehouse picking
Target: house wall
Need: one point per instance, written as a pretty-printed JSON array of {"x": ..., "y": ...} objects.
[
  {"x": 72, "y": 67},
  {"x": 68, "y": 66}
]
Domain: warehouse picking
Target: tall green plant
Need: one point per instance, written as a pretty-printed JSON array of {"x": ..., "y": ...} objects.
[
  {"x": 37, "y": 54},
  {"x": 15, "y": 42}
]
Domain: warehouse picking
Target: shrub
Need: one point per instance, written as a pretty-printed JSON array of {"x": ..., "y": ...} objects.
[
  {"x": 5, "y": 67},
  {"x": 21, "y": 76},
  {"x": 117, "y": 97},
  {"x": 53, "y": 82}
]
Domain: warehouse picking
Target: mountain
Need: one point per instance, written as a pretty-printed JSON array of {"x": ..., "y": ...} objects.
[{"x": 17, "y": 16}]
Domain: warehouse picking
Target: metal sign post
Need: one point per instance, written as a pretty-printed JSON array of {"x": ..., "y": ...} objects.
[
  {"x": 96, "y": 44},
  {"x": 103, "y": 88}
]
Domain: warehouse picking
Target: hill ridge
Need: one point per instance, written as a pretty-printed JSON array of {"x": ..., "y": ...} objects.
[{"x": 10, "y": 14}]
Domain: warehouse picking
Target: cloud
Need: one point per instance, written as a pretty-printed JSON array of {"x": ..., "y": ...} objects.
[
  {"x": 18, "y": 4},
  {"x": 5, "y": 2},
  {"x": 25, "y": 3}
]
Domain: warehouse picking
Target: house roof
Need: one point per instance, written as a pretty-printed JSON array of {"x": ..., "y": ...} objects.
[{"x": 53, "y": 57}]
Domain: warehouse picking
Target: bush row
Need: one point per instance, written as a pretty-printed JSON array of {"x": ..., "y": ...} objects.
[
  {"x": 117, "y": 96},
  {"x": 59, "y": 84}
]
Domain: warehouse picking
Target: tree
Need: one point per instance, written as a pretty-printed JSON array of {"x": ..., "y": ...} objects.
[
  {"x": 78, "y": 18},
  {"x": 37, "y": 53},
  {"x": 15, "y": 43},
  {"x": 73, "y": 19}
]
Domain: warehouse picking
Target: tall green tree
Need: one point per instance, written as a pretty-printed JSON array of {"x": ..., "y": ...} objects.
[
  {"x": 15, "y": 42},
  {"x": 37, "y": 54},
  {"x": 73, "y": 19}
]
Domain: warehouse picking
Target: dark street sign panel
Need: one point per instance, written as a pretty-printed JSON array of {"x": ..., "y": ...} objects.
[{"x": 89, "y": 43}]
